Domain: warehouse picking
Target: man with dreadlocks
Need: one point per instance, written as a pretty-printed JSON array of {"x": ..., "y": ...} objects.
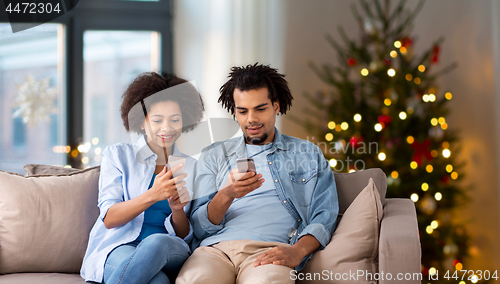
[{"x": 259, "y": 227}]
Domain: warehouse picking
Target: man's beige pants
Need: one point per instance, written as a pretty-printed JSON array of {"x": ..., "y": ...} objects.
[{"x": 230, "y": 262}]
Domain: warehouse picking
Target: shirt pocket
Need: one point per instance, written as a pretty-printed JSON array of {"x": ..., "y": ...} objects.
[{"x": 303, "y": 186}]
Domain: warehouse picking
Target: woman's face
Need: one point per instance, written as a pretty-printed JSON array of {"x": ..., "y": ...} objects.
[{"x": 163, "y": 124}]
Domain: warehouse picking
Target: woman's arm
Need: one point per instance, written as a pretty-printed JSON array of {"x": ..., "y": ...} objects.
[
  {"x": 179, "y": 219},
  {"x": 123, "y": 212},
  {"x": 163, "y": 188}
]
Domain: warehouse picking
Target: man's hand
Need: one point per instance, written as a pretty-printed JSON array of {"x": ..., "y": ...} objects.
[
  {"x": 240, "y": 184},
  {"x": 287, "y": 256}
]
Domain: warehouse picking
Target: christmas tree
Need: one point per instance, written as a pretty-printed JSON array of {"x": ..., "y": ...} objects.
[{"x": 384, "y": 110}]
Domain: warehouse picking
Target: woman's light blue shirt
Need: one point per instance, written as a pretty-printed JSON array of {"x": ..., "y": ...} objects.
[{"x": 126, "y": 171}]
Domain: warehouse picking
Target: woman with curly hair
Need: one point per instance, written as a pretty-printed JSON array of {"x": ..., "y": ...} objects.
[{"x": 142, "y": 232}]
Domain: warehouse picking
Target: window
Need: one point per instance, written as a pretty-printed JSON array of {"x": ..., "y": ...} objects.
[
  {"x": 112, "y": 59},
  {"x": 18, "y": 133},
  {"x": 31, "y": 96},
  {"x": 63, "y": 57}
]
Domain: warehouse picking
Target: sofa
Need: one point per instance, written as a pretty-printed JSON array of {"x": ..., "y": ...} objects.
[{"x": 46, "y": 217}]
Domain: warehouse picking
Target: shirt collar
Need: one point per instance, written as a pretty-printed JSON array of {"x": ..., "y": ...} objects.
[
  {"x": 144, "y": 153},
  {"x": 278, "y": 143}
]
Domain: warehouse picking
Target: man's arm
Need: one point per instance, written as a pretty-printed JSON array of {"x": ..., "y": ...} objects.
[
  {"x": 324, "y": 207},
  {"x": 317, "y": 234},
  {"x": 237, "y": 186},
  {"x": 209, "y": 206}
]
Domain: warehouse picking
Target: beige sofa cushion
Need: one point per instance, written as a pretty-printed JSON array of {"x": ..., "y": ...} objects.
[
  {"x": 349, "y": 185},
  {"x": 41, "y": 278},
  {"x": 45, "y": 220},
  {"x": 354, "y": 245},
  {"x": 36, "y": 169}
]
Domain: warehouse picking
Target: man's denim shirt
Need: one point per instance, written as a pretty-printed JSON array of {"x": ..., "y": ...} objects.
[{"x": 304, "y": 183}]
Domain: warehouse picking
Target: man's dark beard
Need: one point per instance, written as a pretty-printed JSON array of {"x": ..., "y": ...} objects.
[{"x": 256, "y": 140}]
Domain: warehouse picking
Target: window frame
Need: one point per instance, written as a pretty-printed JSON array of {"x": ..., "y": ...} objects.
[{"x": 103, "y": 15}]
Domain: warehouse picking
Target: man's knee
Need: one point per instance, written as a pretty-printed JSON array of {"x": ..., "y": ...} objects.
[
  {"x": 206, "y": 267},
  {"x": 268, "y": 273}
]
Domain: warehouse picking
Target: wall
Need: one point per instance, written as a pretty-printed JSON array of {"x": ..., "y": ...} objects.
[
  {"x": 468, "y": 28},
  {"x": 211, "y": 36}
]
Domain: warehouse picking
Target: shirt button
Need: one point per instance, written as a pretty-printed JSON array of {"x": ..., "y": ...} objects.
[
  {"x": 298, "y": 220},
  {"x": 303, "y": 179},
  {"x": 270, "y": 163},
  {"x": 275, "y": 180},
  {"x": 284, "y": 201}
]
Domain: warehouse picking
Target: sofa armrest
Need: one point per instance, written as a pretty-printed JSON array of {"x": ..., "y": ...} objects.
[{"x": 399, "y": 244}]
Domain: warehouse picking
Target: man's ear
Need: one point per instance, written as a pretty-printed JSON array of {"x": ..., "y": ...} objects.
[{"x": 276, "y": 106}]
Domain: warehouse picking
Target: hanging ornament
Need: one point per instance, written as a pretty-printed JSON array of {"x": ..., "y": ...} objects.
[
  {"x": 389, "y": 144},
  {"x": 35, "y": 100},
  {"x": 356, "y": 140},
  {"x": 396, "y": 141},
  {"x": 451, "y": 249},
  {"x": 374, "y": 66},
  {"x": 421, "y": 151},
  {"x": 351, "y": 61},
  {"x": 385, "y": 120},
  {"x": 428, "y": 205},
  {"x": 406, "y": 48},
  {"x": 435, "y": 54},
  {"x": 414, "y": 104},
  {"x": 340, "y": 145},
  {"x": 369, "y": 27},
  {"x": 436, "y": 132},
  {"x": 357, "y": 94},
  {"x": 393, "y": 96},
  {"x": 324, "y": 97},
  {"x": 445, "y": 179},
  {"x": 406, "y": 42}
]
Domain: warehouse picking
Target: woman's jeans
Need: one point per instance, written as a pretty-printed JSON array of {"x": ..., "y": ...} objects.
[{"x": 151, "y": 260}]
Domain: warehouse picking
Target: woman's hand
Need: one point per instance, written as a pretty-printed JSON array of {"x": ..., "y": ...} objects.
[
  {"x": 179, "y": 219},
  {"x": 165, "y": 186},
  {"x": 175, "y": 202}
]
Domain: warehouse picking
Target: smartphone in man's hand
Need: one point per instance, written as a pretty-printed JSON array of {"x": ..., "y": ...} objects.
[{"x": 246, "y": 165}]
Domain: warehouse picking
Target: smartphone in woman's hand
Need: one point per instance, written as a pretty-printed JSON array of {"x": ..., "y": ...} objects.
[{"x": 173, "y": 161}]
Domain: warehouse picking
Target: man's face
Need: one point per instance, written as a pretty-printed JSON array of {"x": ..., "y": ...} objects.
[{"x": 256, "y": 115}]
